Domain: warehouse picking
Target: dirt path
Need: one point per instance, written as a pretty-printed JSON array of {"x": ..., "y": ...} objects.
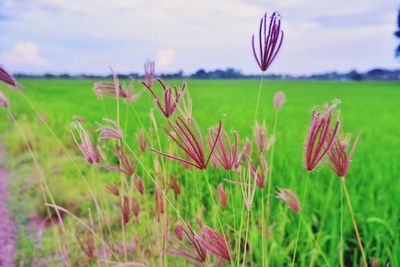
[{"x": 7, "y": 226}]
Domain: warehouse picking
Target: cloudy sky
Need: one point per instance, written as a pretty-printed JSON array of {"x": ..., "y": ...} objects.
[{"x": 87, "y": 36}]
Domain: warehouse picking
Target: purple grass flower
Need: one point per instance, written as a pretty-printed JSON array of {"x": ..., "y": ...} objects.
[
  {"x": 339, "y": 157},
  {"x": 225, "y": 152},
  {"x": 320, "y": 136},
  {"x": 269, "y": 44},
  {"x": 7, "y": 78},
  {"x": 87, "y": 245},
  {"x": 290, "y": 198},
  {"x": 110, "y": 132},
  {"x": 84, "y": 144},
  {"x": 279, "y": 99},
  {"x": 222, "y": 195},
  {"x": 194, "y": 251},
  {"x": 261, "y": 173},
  {"x": 149, "y": 71},
  {"x": 214, "y": 243},
  {"x": 3, "y": 100},
  {"x": 188, "y": 137},
  {"x": 113, "y": 88},
  {"x": 125, "y": 165},
  {"x": 131, "y": 96},
  {"x": 170, "y": 99}
]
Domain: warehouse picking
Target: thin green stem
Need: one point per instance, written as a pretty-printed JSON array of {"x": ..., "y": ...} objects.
[
  {"x": 364, "y": 258},
  {"x": 341, "y": 228},
  {"x": 259, "y": 96},
  {"x": 246, "y": 238},
  {"x": 300, "y": 221}
]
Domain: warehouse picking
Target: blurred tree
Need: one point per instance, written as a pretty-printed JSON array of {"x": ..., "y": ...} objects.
[{"x": 397, "y": 34}]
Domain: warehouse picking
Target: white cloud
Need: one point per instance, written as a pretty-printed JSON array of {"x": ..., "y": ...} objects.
[
  {"x": 24, "y": 55},
  {"x": 165, "y": 57}
]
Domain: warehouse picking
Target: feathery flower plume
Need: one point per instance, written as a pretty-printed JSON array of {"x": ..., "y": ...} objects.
[
  {"x": 7, "y": 78},
  {"x": 339, "y": 157},
  {"x": 290, "y": 198},
  {"x": 320, "y": 136},
  {"x": 188, "y": 137},
  {"x": 194, "y": 251},
  {"x": 126, "y": 209},
  {"x": 113, "y": 89},
  {"x": 269, "y": 44},
  {"x": 125, "y": 165},
  {"x": 131, "y": 96},
  {"x": 260, "y": 135},
  {"x": 149, "y": 71},
  {"x": 84, "y": 144},
  {"x": 108, "y": 132},
  {"x": 135, "y": 207},
  {"x": 214, "y": 243},
  {"x": 246, "y": 151},
  {"x": 279, "y": 99},
  {"x": 223, "y": 196},
  {"x": 170, "y": 100},
  {"x": 225, "y": 152},
  {"x": 261, "y": 173},
  {"x": 179, "y": 231},
  {"x": 3, "y": 100},
  {"x": 159, "y": 202},
  {"x": 186, "y": 106},
  {"x": 174, "y": 185}
]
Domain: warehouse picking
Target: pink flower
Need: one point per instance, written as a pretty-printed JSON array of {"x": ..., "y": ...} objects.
[
  {"x": 214, "y": 243},
  {"x": 290, "y": 198},
  {"x": 225, "y": 152},
  {"x": 194, "y": 251},
  {"x": 320, "y": 137},
  {"x": 223, "y": 197},
  {"x": 125, "y": 165},
  {"x": 170, "y": 99},
  {"x": 112, "y": 131},
  {"x": 84, "y": 144},
  {"x": 279, "y": 99},
  {"x": 269, "y": 45},
  {"x": 7, "y": 78},
  {"x": 3, "y": 100},
  {"x": 110, "y": 88},
  {"x": 339, "y": 158},
  {"x": 188, "y": 137},
  {"x": 149, "y": 71}
]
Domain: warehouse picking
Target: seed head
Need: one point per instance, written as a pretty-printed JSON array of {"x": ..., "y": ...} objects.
[
  {"x": 7, "y": 78},
  {"x": 225, "y": 152},
  {"x": 149, "y": 71},
  {"x": 223, "y": 197},
  {"x": 3, "y": 100},
  {"x": 111, "y": 131},
  {"x": 279, "y": 99},
  {"x": 214, "y": 243},
  {"x": 84, "y": 144},
  {"x": 290, "y": 198}
]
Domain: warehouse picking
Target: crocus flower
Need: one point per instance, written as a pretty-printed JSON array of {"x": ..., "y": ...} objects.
[
  {"x": 279, "y": 99},
  {"x": 290, "y": 198},
  {"x": 110, "y": 88},
  {"x": 223, "y": 197},
  {"x": 3, "y": 100},
  {"x": 225, "y": 152},
  {"x": 149, "y": 71},
  {"x": 214, "y": 243},
  {"x": 170, "y": 99},
  {"x": 111, "y": 131},
  {"x": 7, "y": 78},
  {"x": 125, "y": 165},
  {"x": 194, "y": 251},
  {"x": 188, "y": 137},
  {"x": 84, "y": 144},
  {"x": 320, "y": 136},
  {"x": 269, "y": 44},
  {"x": 339, "y": 157}
]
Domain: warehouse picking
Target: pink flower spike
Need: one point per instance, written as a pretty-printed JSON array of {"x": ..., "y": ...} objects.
[
  {"x": 194, "y": 251},
  {"x": 260, "y": 135},
  {"x": 125, "y": 165},
  {"x": 279, "y": 99},
  {"x": 320, "y": 136},
  {"x": 214, "y": 243},
  {"x": 131, "y": 96},
  {"x": 84, "y": 144},
  {"x": 269, "y": 45},
  {"x": 179, "y": 231},
  {"x": 170, "y": 99},
  {"x": 113, "y": 89},
  {"x": 110, "y": 132},
  {"x": 339, "y": 157},
  {"x": 3, "y": 100},
  {"x": 7, "y": 78},
  {"x": 225, "y": 152},
  {"x": 223, "y": 196},
  {"x": 188, "y": 137},
  {"x": 149, "y": 71},
  {"x": 290, "y": 198}
]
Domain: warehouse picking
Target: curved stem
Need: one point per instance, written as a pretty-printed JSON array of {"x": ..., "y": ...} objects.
[{"x": 364, "y": 258}]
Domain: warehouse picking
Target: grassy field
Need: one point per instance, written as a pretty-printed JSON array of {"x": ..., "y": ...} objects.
[{"x": 372, "y": 179}]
